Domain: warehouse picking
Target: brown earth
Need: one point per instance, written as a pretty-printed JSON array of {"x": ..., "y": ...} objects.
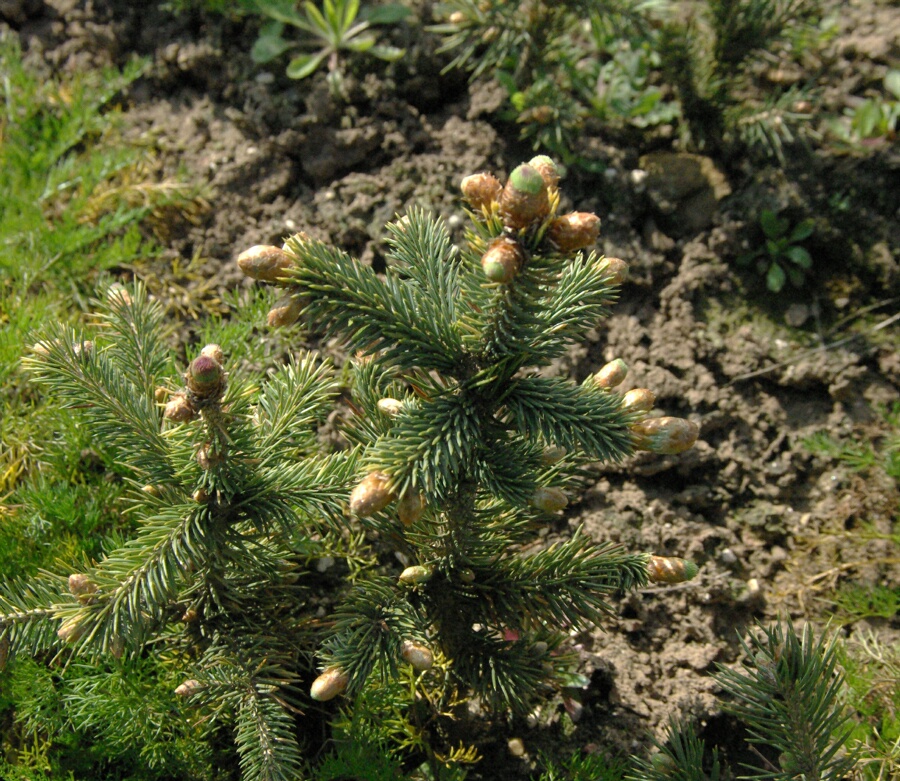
[{"x": 771, "y": 524}]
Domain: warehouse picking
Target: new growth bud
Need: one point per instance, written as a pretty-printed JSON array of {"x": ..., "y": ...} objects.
[
  {"x": 638, "y": 400},
  {"x": 480, "y": 190},
  {"x": 390, "y": 407},
  {"x": 668, "y": 436},
  {"x": 502, "y": 261},
  {"x": 372, "y": 495},
  {"x": 410, "y": 507},
  {"x": 332, "y": 682},
  {"x": 188, "y": 688},
  {"x": 615, "y": 270},
  {"x": 71, "y": 630},
  {"x": 81, "y": 586},
  {"x": 413, "y": 576},
  {"x": 205, "y": 379},
  {"x": 549, "y": 500},
  {"x": 179, "y": 409},
  {"x": 286, "y": 311},
  {"x": 524, "y": 199},
  {"x": 668, "y": 569},
  {"x": 547, "y": 169},
  {"x": 265, "y": 263},
  {"x": 611, "y": 375},
  {"x": 214, "y": 351},
  {"x": 574, "y": 231},
  {"x": 416, "y": 655}
]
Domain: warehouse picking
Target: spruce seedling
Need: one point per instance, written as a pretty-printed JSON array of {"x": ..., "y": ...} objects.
[
  {"x": 469, "y": 450},
  {"x": 232, "y": 502}
]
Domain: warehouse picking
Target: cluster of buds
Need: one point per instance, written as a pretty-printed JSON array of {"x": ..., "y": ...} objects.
[
  {"x": 665, "y": 435},
  {"x": 205, "y": 384},
  {"x": 526, "y": 202},
  {"x": 266, "y": 263}
]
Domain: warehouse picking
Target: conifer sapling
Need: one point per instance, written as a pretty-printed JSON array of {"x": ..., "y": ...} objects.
[{"x": 468, "y": 451}]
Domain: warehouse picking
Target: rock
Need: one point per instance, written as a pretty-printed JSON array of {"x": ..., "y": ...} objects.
[{"x": 685, "y": 190}]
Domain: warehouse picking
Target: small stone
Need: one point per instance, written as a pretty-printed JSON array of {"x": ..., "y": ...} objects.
[{"x": 516, "y": 747}]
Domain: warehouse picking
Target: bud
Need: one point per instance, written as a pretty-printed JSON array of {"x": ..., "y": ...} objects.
[
  {"x": 286, "y": 311},
  {"x": 413, "y": 576},
  {"x": 638, "y": 400},
  {"x": 549, "y": 500},
  {"x": 265, "y": 263},
  {"x": 553, "y": 455},
  {"x": 81, "y": 586},
  {"x": 668, "y": 569},
  {"x": 117, "y": 647},
  {"x": 188, "y": 688},
  {"x": 329, "y": 684},
  {"x": 71, "y": 630},
  {"x": 668, "y": 436},
  {"x": 83, "y": 349},
  {"x": 416, "y": 655},
  {"x": 615, "y": 270},
  {"x": 502, "y": 261},
  {"x": 44, "y": 346},
  {"x": 372, "y": 495},
  {"x": 480, "y": 190},
  {"x": 547, "y": 169},
  {"x": 160, "y": 394},
  {"x": 410, "y": 507},
  {"x": 118, "y": 296},
  {"x": 179, "y": 409},
  {"x": 151, "y": 490},
  {"x": 524, "y": 199},
  {"x": 611, "y": 375},
  {"x": 390, "y": 407},
  {"x": 200, "y": 495},
  {"x": 574, "y": 231},
  {"x": 189, "y": 616},
  {"x": 205, "y": 379},
  {"x": 457, "y": 17},
  {"x": 215, "y": 352}
]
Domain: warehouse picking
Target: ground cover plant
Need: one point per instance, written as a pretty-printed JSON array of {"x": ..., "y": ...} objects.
[{"x": 784, "y": 521}]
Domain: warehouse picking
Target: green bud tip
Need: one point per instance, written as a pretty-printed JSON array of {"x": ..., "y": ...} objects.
[
  {"x": 205, "y": 370},
  {"x": 527, "y": 179}
]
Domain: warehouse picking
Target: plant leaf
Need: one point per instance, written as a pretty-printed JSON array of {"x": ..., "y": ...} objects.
[
  {"x": 775, "y": 278},
  {"x": 268, "y": 47},
  {"x": 387, "y": 53},
  {"x": 304, "y": 65},
  {"x": 802, "y": 230},
  {"x": 362, "y": 44},
  {"x": 799, "y": 256},
  {"x": 389, "y": 14},
  {"x": 772, "y": 226}
]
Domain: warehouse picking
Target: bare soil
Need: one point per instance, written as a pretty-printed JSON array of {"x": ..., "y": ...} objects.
[{"x": 771, "y": 524}]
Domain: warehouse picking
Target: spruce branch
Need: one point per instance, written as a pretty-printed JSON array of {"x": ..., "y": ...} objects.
[
  {"x": 374, "y": 314},
  {"x": 122, "y": 417},
  {"x": 787, "y": 691},
  {"x": 26, "y": 615},
  {"x": 577, "y": 418}
]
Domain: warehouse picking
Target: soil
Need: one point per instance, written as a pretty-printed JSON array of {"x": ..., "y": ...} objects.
[{"x": 772, "y": 525}]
